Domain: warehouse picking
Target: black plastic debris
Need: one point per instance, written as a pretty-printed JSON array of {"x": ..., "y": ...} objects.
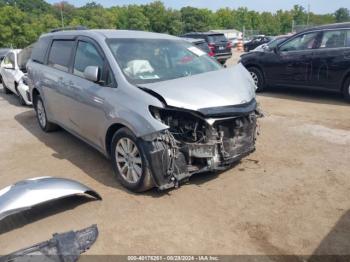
[{"x": 65, "y": 247}]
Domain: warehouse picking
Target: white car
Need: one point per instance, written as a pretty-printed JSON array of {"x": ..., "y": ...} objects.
[{"x": 13, "y": 75}]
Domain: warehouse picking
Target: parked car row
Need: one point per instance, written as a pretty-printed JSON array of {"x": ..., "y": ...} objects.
[
  {"x": 13, "y": 74},
  {"x": 220, "y": 47},
  {"x": 201, "y": 44},
  {"x": 256, "y": 41},
  {"x": 272, "y": 44},
  {"x": 315, "y": 58}
]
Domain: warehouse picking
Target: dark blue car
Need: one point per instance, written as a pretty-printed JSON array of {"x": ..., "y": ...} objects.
[{"x": 316, "y": 58}]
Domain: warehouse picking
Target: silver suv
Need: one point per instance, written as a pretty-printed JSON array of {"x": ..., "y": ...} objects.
[{"x": 160, "y": 108}]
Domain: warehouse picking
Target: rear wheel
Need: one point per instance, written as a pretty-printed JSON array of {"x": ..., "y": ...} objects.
[
  {"x": 258, "y": 78},
  {"x": 129, "y": 161},
  {"x": 6, "y": 90},
  {"x": 346, "y": 89},
  {"x": 20, "y": 98},
  {"x": 41, "y": 116}
]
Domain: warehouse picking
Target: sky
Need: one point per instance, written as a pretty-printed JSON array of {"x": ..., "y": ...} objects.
[{"x": 316, "y": 6}]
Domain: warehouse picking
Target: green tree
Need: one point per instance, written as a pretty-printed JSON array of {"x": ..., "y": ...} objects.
[
  {"x": 299, "y": 15},
  {"x": 156, "y": 14},
  {"x": 225, "y": 18},
  {"x": 14, "y": 29},
  {"x": 68, "y": 12},
  {"x": 195, "y": 19},
  {"x": 285, "y": 20},
  {"x": 173, "y": 22},
  {"x": 31, "y": 6},
  {"x": 242, "y": 19},
  {"x": 342, "y": 15},
  {"x": 132, "y": 17},
  {"x": 93, "y": 15}
]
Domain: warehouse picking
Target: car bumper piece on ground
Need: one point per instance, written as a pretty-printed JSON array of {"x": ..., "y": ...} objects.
[{"x": 28, "y": 193}]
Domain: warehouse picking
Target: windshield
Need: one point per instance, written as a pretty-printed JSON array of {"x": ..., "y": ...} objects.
[{"x": 154, "y": 60}]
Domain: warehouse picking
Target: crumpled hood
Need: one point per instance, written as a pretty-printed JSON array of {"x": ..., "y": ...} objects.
[{"x": 225, "y": 87}]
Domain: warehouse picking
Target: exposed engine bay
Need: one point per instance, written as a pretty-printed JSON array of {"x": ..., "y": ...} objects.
[{"x": 197, "y": 143}]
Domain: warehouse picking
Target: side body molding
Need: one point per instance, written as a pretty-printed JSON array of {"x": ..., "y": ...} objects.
[{"x": 31, "y": 192}]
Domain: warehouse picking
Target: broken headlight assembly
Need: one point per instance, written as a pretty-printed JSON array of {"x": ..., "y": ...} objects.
[{"x": 183, "y": 125}]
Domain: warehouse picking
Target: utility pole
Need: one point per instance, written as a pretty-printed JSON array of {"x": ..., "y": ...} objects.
[
  {"x": 61, "y": 5},
  {"x": 308, "y": 14}
]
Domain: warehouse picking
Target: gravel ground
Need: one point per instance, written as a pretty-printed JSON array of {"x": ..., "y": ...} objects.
[{"x": 289, "y": 197}]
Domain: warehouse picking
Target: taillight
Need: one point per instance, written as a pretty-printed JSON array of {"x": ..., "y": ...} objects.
[
  {"x": 211, "y": 53},
  {"x": 211, "y": 47}
]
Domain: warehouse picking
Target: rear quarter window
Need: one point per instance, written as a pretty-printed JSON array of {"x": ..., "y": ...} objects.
[{"x": 40, "y": 49}]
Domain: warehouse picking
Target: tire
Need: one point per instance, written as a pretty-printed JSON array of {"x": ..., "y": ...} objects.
[
  {"x": 6, "y": 90},
  {"x": 39, "y": 107},
  {"x": 258, "y": 78},
  {"x": 346, "y": 89},
  {"x": 129, "y": 161},
  {"x": 20, "y": 98}
]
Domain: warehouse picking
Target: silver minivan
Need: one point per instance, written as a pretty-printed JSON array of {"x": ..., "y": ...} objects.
[{"x": 160, "y": 108}]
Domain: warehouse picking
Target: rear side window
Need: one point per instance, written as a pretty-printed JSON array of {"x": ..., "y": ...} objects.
[
  {"x": 301, "y": 42},
  {"x": 39, "y": 51},
  {"x": 334, "y": 39},
  {"x": 60, "y": 54}
]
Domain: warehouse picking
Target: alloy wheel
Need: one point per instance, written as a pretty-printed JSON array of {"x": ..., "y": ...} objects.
[
  {"x": 129, "y": 161},
  {"x": 255, "y": 78},
  {"x": 41, "y": 113}
]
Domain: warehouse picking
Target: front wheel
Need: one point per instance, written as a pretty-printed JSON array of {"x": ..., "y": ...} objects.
[
  {"x": 41, "y": 116},
  {"x": 129, "y": 161},
  {"x": 346, "y": 89},
  {"x": 258, "y": 78}
]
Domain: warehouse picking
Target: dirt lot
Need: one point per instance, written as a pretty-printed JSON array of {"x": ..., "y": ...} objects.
[{"x": 289, "y": 197}]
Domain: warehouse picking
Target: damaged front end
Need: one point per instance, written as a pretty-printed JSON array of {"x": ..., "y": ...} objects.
[{"x": 209, "y": 139}]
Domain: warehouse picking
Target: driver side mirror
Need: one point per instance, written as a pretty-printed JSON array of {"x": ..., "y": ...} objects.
[
  {"x": 91, "y": 73},
  {"x": 276, "y": 50}
]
